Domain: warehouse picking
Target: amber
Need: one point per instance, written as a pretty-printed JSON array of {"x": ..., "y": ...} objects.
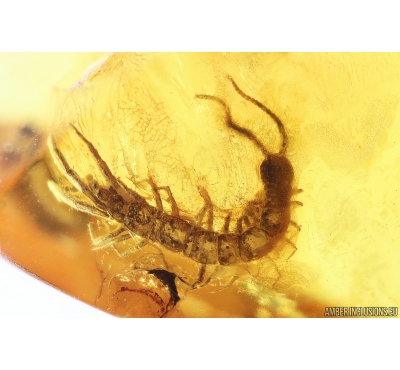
[{"x": 69, "y": 219}]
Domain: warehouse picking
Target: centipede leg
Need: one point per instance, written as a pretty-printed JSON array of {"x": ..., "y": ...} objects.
[
  {"x": 297, "y": 191},
  {"x": 294, "y": 247},
  {"x": 227, "y": 223},
  {"x": 296, "y": 225},
  {"x": 104, "y": 241},
  {"x": 157, "y": 197},
  {"x": 140, "y": 245},
  {"x": 207, "y": 206},
  {"x": 63, "y": 195},
  {"x": 239, "y": 226},
  {"x": 296, "y": 202},
  {"x": 199, "y": 217},
  {"x": 172, "y": 201},
  {"x": 246, "y": 220},
  {"x": 201, "y": 275},
  {"x": 128, "y": 167},
  {"x": 200, "y": 282},
  {"x": 234, "y": 278},
  {"x": 141, "y": 184}
]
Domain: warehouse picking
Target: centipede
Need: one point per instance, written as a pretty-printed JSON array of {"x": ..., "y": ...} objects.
[{"x": 254, "y": 236}]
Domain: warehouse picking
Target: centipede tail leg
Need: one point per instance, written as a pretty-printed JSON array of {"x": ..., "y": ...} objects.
[
  {"x": 103, "y": 165},
  {"x": 71, "y": 175}
]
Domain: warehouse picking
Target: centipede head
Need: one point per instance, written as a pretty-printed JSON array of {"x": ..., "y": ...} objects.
[{"x": 276, "y": 169}]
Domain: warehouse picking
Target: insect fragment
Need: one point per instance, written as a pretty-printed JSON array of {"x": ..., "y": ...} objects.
[{"x": 142, "y": 293}]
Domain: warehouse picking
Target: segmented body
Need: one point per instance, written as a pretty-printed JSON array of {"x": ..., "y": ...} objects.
[
  {"x": 178, "y": 235},
  {"x": 203, "y": 245}
]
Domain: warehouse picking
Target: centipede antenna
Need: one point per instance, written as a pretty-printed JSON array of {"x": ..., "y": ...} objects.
[
  {"x": 266, "y": 110},
  {"x": 243, "y": 131}
]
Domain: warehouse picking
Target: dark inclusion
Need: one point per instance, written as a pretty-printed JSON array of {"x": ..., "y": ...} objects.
[{"x": 168, "y": 279}]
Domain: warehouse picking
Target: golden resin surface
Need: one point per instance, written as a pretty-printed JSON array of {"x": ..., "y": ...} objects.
[{"x": 142, "y": 126}]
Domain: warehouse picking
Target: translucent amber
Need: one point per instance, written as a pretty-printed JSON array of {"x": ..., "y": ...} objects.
[{"x": 145, "y": 132}]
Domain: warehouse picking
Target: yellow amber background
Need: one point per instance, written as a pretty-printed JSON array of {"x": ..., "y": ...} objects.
[{"x": 341, "y": 115}]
